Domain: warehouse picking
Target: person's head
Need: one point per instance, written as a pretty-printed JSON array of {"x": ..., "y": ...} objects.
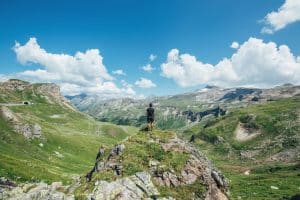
[{"x": 150, "y": 105}]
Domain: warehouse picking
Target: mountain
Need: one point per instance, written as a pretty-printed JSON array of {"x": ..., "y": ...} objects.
[
  {"x": 179, "y": 111},
  {"x": 47, "y": 147},
  {"x": 257, "y": 147},
  {"x": 252, "y": 135},
  {"x": 237, "y": 143},
  {"x": 44, "y": 138}
]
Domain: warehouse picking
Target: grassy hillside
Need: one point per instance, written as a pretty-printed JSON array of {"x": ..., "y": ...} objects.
[
  {"x": 271, "y": 158},
  {"x": 68, "y": 143}
]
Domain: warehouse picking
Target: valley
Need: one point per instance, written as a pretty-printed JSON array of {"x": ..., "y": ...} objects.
[{"x": 209, "y": 144}]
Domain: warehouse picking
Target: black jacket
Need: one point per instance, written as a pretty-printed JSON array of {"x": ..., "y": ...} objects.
[{"x": 150, "y": 113}]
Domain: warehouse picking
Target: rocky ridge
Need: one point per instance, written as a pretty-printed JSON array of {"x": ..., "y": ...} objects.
[
  {"x": 50, "y": 91},
  {"x": 38, "y": 191},
  {"x": 29, "y": 131},
  {"x": 196, "y": 169}
]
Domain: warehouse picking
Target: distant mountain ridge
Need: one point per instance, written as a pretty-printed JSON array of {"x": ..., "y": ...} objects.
[{"x": 185, "y": 108}]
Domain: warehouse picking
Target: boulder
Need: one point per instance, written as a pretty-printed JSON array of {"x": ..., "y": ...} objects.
[{"x": 138, "y": 186}]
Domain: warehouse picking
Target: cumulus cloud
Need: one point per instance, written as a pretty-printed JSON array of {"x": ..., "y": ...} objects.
[
  {"x": 234, "y": 45},
  {"x": 119, "y": 72},
  {"x": 148, "y": 68},
  {"x": 82, "y": 73},
  {"x": 3, "y": 78},
  {"x": 255, "y": 63},
  {"x": 152, "y": 57},
  {"x": 288, "y": 13},
  {"x": 145, "y": 83}
]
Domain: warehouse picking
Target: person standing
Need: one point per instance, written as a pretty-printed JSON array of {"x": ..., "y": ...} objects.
[{"x": 150, "y": 117}]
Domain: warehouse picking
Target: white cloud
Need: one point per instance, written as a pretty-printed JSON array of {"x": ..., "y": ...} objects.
[
  {"x": 82, "y": 73},
  {"x": 148, "y": 68},
  {"x": 255, "y": 63},
  {"x": 152, "y": 57},
  {"x": 119, "y": 72},
  {"x": 3, "y": 78},
  {"x": 288, "y": 13},
  {"x": 145, "y": 83},
  {"x": 234, "y": 45}
]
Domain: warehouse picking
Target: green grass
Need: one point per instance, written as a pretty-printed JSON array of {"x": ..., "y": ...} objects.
[
  {"x": 74, "y": 135},
  {"x": 278, "y": 119},
  {"x": 258, "y": 184}
]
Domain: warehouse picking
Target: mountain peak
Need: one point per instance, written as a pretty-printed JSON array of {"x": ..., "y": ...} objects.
[{"x": 211, "y": 87}]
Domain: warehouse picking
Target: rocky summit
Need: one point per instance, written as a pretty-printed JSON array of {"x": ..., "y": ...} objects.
[{"x": 155, "y": 165}]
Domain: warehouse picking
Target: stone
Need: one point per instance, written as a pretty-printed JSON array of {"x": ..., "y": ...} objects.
[
  {"x": 37, "y": 191},
  {"x": 274, "y": 187},
  {"x": 218, "y": 179},
  {"x": 247, "y": 172},
  {"x": 29, "y": 131},
  {"x": 133, "y": 187}
]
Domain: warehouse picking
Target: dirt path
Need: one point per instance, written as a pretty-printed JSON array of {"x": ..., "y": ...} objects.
[{"x": 12, "y": 104}]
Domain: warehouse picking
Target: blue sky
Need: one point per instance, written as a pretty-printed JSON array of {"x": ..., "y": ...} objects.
[{"x": 127, "y": 32}]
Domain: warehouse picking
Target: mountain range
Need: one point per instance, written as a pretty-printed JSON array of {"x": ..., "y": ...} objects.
[{"x": 214, "y": 143}]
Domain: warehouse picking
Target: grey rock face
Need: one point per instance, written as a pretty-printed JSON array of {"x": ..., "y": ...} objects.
[
  {"x": 29, "y": 131},
  {"x": 36, "y": 191},
  {"x": 197, "y": 168},
  {"x": 14, "y": 84},
  {"x": 138, "y": 186}
]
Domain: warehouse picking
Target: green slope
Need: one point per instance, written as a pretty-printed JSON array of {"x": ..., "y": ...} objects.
[
  {"x": 278, "y": 123},
  {"x": 68, "y": 144}
]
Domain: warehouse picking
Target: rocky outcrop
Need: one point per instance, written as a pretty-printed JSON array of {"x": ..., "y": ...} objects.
[
  {"x": 197, "y": 168},
  {"x": 29, "y": 131},
  {"x": 38, "y": 191},
  {"x": 14, "y": 84},
  {"x": 50, "y": 91},
  {"x": 137, "y": 186}
]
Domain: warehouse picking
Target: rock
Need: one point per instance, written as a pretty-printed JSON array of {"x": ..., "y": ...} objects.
[
  {"x": 274, "y": 187},
  {"x": 116, "y": 151},
  {"x": 37, "y": 191},
  {"x": 56, "y": 185},
  {"x": 249, "y": 154},
  {"x": 137, "y": 186},
  {"x": 218, "y": 178},
  {"x": 29, "y": 131},
  {"x": 153, "y": 163},
  {"x": 247, "y": 173},
  {"x": 14, "y": 84},
  {"x": 140, "y": 186},
  {"x": 58, "y": 154},
  {"x": 36, "y": 130},
  {"x": 52, "y": 93},
  {"x": 8, "y": 115}
]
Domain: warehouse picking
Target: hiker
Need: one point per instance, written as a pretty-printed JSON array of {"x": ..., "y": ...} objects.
[
  {"x": 98, "y": 163},
  {"x": 150, "y": 117}
]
